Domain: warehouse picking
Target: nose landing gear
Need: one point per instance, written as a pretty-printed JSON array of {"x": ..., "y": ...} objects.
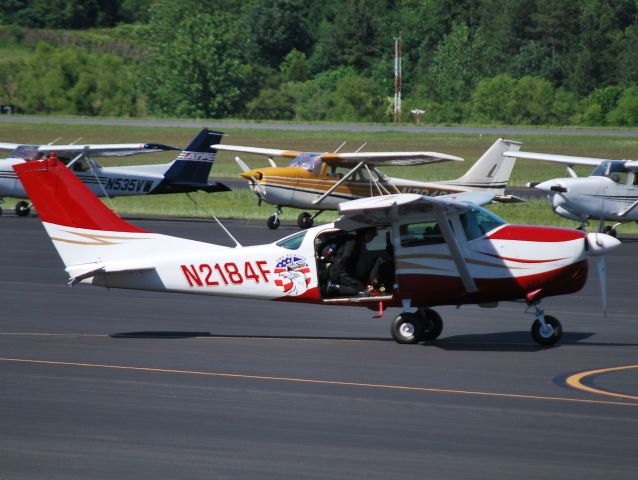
[{"x": 546, "y": 330}]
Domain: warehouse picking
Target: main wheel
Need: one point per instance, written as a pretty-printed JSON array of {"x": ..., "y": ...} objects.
[
  {"x": 22, "y": 209},
  {"x": 273, "y": 222},
  {"x": 432, "y": 324},
  {"x": 305, "y": 220},
  {"x": 407, "y": 328},
  {"x": 550, "y": 334}
]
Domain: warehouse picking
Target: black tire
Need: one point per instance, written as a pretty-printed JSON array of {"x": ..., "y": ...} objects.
[
  {"x": 432, "y": 324},
  {"x": 305, "y": 220},
  {"x": 22, "y": 209},
  {"x": 549, "y": 337},
  {"x": 273, "y": 222},
  {"x": 407, "y": 328},
  {"x": 0, "y": 210}
]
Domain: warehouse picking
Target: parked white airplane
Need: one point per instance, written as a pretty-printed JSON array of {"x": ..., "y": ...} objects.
[
  {"x": 430, "y": 251},
  {"x": 610, "y": 193},
  {"x": 187, "y": 173}
]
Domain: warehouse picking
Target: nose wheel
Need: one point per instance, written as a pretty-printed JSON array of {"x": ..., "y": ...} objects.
[
  {"x": 546, "y": 330},
  {"x": 273, "y": 221}
]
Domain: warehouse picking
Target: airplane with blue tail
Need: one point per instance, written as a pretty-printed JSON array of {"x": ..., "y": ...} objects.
[{"x": 189, "y": 172}]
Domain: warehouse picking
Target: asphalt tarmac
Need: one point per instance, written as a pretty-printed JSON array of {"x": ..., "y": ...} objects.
[{"x": 107, "y": 384}]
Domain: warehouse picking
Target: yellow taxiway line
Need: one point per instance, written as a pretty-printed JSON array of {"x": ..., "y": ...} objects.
[
  {"x": 576, "y": 381},
  {"x": 319, "y": 382}
]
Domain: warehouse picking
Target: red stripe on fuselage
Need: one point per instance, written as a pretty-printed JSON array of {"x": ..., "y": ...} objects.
[{"x": 528, "y": 233}]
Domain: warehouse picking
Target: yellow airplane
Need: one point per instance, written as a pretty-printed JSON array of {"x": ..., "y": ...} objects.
[{"x": 323, "y": 180}]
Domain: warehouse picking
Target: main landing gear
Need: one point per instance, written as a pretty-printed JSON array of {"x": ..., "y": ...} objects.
[
  {"x": 22, "y": 209},
  {"x": 424, "y": 325},
  {"x": 304, "y": 220}
]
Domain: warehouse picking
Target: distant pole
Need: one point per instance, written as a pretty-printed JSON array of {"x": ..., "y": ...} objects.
[{"x": 397, "y": 79}]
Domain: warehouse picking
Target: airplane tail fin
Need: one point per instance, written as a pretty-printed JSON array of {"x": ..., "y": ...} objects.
[
  {"x": 493, "y": 170},
  {"x": 192, "y": 167},
  {"x": 88, "y": 236}
]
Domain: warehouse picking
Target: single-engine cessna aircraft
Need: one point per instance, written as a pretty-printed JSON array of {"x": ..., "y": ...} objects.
[
  {"x": 187, "y": 173},
  {"x": 609, "y": 193},
  {"x": 429, "y": 251},
  {"x": 323, "y": 180}
]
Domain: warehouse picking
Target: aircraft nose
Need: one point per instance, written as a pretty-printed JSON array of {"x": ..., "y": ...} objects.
[
  {"x": 551, "y": 186},
  {"x": 252, "y": 175},
  {"x": 601, "y": 243}
]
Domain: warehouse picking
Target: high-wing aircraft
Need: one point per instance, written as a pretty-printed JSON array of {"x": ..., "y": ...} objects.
[
  {"x": 610, "y": 193},
  {"x": 430, "y": 251},
  {"x": 322, "y": 181},
  {"x": 187, "y": 173}
]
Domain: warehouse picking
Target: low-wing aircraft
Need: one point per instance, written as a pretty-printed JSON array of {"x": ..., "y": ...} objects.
[
  {"x": 610, "y": 193},
  {"x": 187, "y": 173},
  {"x": 436, "y": 251},
  {"x": 322, "y": 181}
]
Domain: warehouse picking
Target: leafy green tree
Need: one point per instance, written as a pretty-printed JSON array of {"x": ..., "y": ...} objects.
[
  {"x": 193, "y": 68},
  {"x": 626, "y": 111},
  {"x": 295, "y": 68},
  {"x": 358, "y": 99},
  {"x": 272, "y": 28},
  {"x": 458, "y": 64},
  {"x": 271, "y": 104},
  {"x": 492, "y": 99}
]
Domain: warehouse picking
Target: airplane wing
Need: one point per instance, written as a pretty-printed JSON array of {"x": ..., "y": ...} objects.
[
  {"x": 106, "y": 150},
  {"x": 267, "y": 152},
  {"x": 8, "y": 146},
  {"x": 548, "y": 157},
  {"x": 389, "y": 208},
  {"x": 386, "y": 158}
]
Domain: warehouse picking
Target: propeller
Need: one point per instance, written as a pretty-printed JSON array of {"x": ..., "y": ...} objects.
[
  {"x": 598, "y": 245},
  {"x": 245, "y": 168}
]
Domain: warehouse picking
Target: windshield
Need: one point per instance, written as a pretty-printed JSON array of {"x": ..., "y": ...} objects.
[
  {"x": 309, "y": 161},
  {"x": 609, "y": 166},
  {"x": 292, "y": 242},
  {"x": 477, "y": 222}
]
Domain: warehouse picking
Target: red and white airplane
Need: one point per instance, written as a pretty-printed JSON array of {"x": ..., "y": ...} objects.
[{"x": 443, "y": 250}]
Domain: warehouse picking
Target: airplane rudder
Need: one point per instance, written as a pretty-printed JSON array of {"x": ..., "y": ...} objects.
[{"x": 62, "y": 199}]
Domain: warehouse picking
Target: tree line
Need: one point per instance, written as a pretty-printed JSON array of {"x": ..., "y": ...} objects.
[{"x": 489, "y": 61}]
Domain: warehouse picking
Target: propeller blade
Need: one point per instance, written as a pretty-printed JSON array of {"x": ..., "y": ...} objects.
[
  {"x": 242, "y": 164},
  {"x": 602, "y": 278}
]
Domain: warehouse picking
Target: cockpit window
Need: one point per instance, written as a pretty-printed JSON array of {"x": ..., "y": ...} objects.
[
  {"x": 608, "y": 167},
  {"x": 26, "y": 152},
  {"x": 293, "y": 241},
  {"x": 477, "y": 222},
  {"x": 309, "y": 161}
]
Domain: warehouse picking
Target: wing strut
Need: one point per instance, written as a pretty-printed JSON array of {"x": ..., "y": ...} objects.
[
  {"x": 358, "y": 167},
  {"x": 455, "y": 249}
]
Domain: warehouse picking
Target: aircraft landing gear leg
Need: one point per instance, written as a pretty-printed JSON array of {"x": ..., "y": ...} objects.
[
  {"x": 305, "y": 220},
  {"x": 22, "y": 208},
  {"x": 273, "y": 221},
  {"x": 546, "y": 330},
  {"x": 611, "y": 230}
]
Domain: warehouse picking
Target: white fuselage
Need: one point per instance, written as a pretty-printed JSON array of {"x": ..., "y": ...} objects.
[{"x": 594, "y": 197}]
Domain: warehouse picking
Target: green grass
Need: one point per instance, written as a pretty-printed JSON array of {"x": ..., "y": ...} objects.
[{"x": 242, "y": 204}]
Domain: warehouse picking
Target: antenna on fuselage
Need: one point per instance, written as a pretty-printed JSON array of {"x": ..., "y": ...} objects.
[
  {"x": 340, "y": 147},
  {"x": 237, "y": 244}
]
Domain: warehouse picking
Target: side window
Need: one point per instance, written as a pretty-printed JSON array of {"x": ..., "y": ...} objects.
[
  {"x": 292, "y": 242},
  {"x": 423, "y": 233},
  {"x": 478, "y": 221}
]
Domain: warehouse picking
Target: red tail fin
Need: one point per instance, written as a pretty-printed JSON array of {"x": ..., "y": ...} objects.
[{"x": 61, "y": 198}]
